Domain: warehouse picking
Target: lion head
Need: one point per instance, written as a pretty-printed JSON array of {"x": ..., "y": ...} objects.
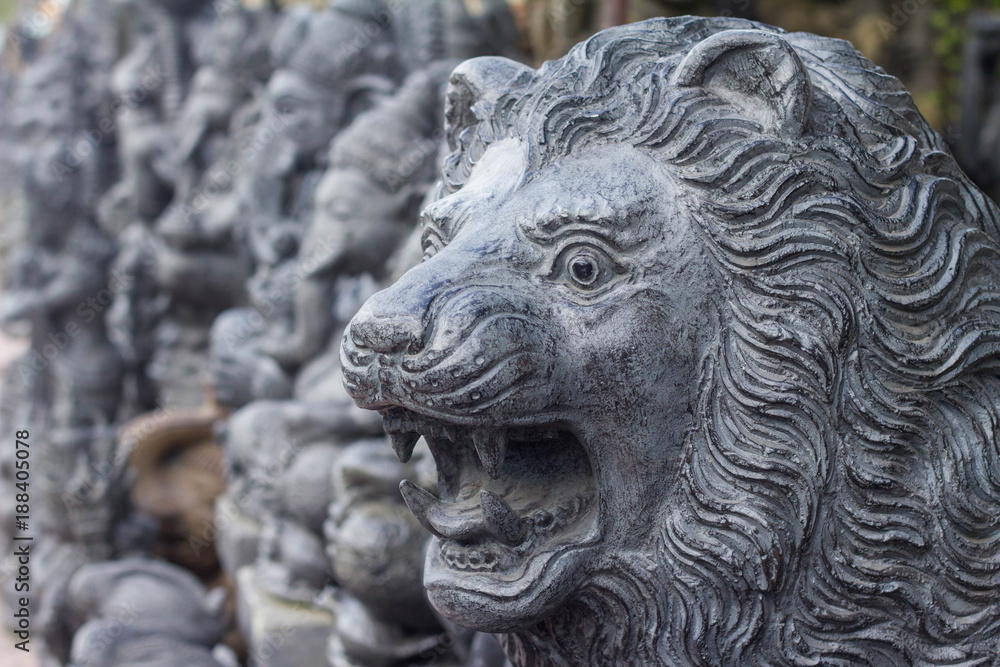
[{"x": 705, "y": 345}]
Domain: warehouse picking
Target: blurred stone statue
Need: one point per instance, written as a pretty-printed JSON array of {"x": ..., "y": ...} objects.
[
  {"x": 376, "y": 551},
  {"x": 151, "y": 82},
  {"x": 64, "y": 393},
  {"x": 321, "y": 81},
  {"x": 367, "y": 201},
  {"x": 366, "y": 205},
  {"x": 138, "y": 612}
]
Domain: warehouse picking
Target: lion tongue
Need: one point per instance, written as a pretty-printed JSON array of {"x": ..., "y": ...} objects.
[{"x": 489, "y": 515}]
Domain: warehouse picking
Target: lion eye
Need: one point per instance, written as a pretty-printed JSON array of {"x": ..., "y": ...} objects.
[
  {"x": 431, "y": 243},
  {"x": 586, "y": 267}
]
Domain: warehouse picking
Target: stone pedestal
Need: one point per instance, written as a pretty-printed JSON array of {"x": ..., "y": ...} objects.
[
  {"x": 238, "y": 535},
  {"x": 280, "y": 633}
]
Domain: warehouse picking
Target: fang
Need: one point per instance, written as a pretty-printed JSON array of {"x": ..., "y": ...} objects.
[
  {"x": 492, "y": 448},
  {"x": 501, "y": 519},
  {"x": 403, "y": 444}
]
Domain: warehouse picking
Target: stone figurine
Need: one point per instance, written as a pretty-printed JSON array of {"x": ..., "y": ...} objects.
[
  {"x": 705, "y": 345},
  {"x": 176, "y": 50},
  {"x": 368, "y": 200},
  {"x": 70, "y": 377},
  {"x": 65, "y": 390},
  {"x": 376, "y": 549},
  {"x": 137, "y": 612},
  {"x": 433, "y": 30},
  {"x": 280, "y": 451},
  {"x": 235, "y": 65},
  {"x": 315, "y": 90},
  {"x": 150, "y": 82},
  {"x": 200, "y": 255},
  {"x": 380, "y": 169}
]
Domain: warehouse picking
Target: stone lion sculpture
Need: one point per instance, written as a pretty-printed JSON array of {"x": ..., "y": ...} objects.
[{"x": 705, "y": 345}]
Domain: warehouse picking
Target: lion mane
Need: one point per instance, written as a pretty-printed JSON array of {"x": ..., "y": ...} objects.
[{"x": 840, "y": 498}]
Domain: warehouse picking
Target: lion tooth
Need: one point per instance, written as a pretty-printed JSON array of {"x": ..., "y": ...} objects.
[
  {"x": 491, "y": 447},
  {"x": 501, "y": 519},
  {"x": 403, "y": 444},
  {"x": 391, "y": 422},
  {"x": 420, "y": 501},
  {"x": 451, "y": 433}
]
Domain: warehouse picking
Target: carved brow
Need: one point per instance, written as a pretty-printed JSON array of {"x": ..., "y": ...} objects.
[
  {"x": 444, "y": 217},
  {"x": 549, "y": 226}
]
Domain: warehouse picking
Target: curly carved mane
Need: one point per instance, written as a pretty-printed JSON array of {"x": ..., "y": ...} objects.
[{"x": 840, "y": 500}]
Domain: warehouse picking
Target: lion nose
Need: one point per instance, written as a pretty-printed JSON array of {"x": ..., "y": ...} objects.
[{"x": 384, "y": 332}]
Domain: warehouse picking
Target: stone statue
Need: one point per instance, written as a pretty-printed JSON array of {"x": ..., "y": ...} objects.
[
  {"x": 247, "y": 211},
  {"x": 434, "y": 30},
  {"x": 65, "y": 390},
  {"x": 367, "y": 202},
  {"x": 235, "y": 65},
  {"x": 199, "y": 256},
  {"x": 705, "y": 346},
  {"x": 380, "y": 169},
  {"x": 171, "y": 78},
  {"x": 322, "y": 80},
  {"x": 137, "y": 612},
  {"x": 281, "y": 451},
  {"x": 150, "y": 82},
  {"x": 376, "y": 550},
  {"x": 59, "y": 284}
]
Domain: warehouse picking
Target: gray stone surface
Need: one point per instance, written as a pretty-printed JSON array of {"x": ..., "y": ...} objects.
[
  {"x": 280, "y": 633},
  {"x": 237, "y": 536},
  {"x": 705, "y": 346},
  {"x": 137, "y": 613}
]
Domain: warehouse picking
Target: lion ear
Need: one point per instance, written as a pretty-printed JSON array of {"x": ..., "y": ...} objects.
[
  {"x": 759, "y": 72},
  {"x": 473, "y": 87}
]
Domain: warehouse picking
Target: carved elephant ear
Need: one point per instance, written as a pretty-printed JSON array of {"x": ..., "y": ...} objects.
[
  {"x": 758, "y": 72},
  {"x": 475, "y": 85}
]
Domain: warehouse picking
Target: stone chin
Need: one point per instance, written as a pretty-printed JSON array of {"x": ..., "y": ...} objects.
[
  {"x": 513, "y": 517},
  {"x": 491, "y": 603}
]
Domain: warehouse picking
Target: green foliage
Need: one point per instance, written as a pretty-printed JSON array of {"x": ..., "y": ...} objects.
[
  {"x": 8, "y": 10},
  {"x": 949, "y": 19}
]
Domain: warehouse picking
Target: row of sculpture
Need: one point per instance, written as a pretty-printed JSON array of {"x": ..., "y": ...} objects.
[
  {"x": 206, "y": 207},
  {"x": 692, "y": 360}
]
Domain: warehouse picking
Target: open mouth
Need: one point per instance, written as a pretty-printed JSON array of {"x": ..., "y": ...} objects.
[{"x": 504, "y": 495}]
